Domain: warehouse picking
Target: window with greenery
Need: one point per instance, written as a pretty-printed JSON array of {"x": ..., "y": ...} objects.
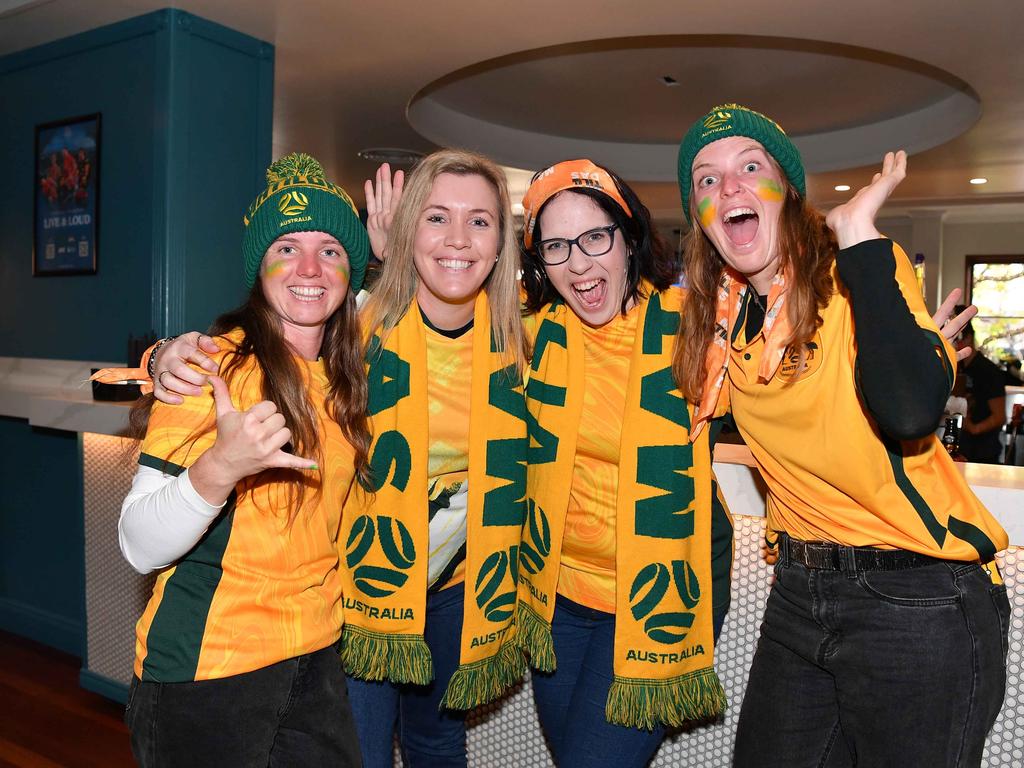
[{"x": 995, "y": 284}]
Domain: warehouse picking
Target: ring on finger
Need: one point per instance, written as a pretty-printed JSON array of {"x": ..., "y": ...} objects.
[{"x": 160, "y": 379}]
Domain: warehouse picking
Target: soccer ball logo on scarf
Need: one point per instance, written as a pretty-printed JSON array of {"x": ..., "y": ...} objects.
[
  {"x": 667, "y": 614},
  {"x": 396, "y": 545},
  {"x": 536, "y": 539},
  {"x": 498, "y": 607}
]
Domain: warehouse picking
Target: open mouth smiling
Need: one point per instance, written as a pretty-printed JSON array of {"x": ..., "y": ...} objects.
[
  {"x": 590, "y": 293},
  {"x": 741, "y": 225},
  {"x": 455, "y": 265},
  {"x": 307, "y": 292}
]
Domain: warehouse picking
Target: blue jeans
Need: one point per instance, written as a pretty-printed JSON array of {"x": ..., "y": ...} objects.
[
  {"x": 295, "y": 712},
  {"x": 571, "y": 700},
  {"x": 428, "y": 736},
  {"x": 875, "y": 668}
]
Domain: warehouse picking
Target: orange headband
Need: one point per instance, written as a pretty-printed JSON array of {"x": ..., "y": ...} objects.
[{"x": 570, "y": 174}]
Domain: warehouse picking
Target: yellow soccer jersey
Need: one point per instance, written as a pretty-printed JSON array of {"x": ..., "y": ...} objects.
[
  {"x": 831, "y": 474},
  {"x": 449, "y": 380},
  {"x": 255, "y": 590},
  {"x": 587, "y": 573}
]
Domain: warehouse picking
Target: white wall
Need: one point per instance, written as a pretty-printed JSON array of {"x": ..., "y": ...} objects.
[{"x": 976, "y": 239}]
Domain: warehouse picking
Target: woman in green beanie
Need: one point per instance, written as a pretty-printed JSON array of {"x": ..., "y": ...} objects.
[
  {"x": 430, "y": 550},
  {"x": 884, "y": 636},
  {"x": 236, "y": 503}
]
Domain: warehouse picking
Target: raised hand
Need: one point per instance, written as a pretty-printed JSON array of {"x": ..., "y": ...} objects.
[
  {"x": 951, "y": 326},
  {"x": 248, "y": 442},
  {"x": 172, "y": 374},
  {"x": 854, "y": 221},
  {"x": 382, "y": 196}
]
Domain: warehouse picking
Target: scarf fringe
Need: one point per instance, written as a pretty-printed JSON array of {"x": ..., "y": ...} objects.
[
  {"x": 380, "y": 656},
  {"x": 482, "y": 681},
  {"x": 533, "y": 635},
  {"x": 645, "y": 704}
]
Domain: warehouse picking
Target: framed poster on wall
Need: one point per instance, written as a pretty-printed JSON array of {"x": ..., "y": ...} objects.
[{"x": 67, "y": 184}]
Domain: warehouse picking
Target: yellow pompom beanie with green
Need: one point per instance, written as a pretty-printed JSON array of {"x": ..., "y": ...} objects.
[{"x": 298, "y": 198}]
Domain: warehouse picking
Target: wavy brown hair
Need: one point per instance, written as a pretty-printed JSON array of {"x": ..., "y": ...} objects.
[
  {"x": 284, "y": 384},
  {"x": 395, "y": 290},
  {"x": 808, "y": 250}
]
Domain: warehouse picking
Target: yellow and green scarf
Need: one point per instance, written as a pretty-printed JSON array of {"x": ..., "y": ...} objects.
[
  {"x": 664, "y": 637},
  {"x": 385, "y": 531}
]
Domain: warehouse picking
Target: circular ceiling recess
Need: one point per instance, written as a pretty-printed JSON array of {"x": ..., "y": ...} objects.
[{"x": 626, "y": 102}]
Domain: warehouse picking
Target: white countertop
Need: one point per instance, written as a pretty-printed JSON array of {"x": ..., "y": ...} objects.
[
  {"x": 57, "y": 394},
  {"x": 999, "y": 488}
]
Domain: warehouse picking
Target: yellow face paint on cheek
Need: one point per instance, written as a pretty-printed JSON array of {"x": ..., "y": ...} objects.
[
  {"x": 273, "y": 268},
  {"x": 706, "y": 210},
  {"x": 770, "y": 190}
]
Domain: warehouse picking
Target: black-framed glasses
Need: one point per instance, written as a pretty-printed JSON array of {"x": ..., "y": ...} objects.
[{"x": 593, "y": 242}]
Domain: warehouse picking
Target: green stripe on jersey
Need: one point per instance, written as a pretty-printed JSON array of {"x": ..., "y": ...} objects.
[{"x": 175, "y": 637}]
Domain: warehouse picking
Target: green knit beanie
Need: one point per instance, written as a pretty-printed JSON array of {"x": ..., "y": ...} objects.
[
  {"x": 734, "y": 120},
  {"x": 299, "y": 199}
]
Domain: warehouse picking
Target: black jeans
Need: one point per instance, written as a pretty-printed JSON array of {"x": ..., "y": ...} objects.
[
  {"x": 876, "y": 668},
  {"x": 293, "y": 713}
]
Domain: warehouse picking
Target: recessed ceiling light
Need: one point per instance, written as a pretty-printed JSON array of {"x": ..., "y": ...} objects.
[
  {"x": 979, "y": 180},
  {"x": 842, "y": 187},
  {"x": 392, "y": 155}
]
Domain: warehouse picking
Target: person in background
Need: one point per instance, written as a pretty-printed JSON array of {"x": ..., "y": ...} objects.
[
  {"x": 237, "y": 504},
  {"x": 984, "y": 385},
  {"x": 884, "y": 638}
]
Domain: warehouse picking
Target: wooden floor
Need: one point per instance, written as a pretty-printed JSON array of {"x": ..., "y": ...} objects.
[{"x": 47, "y": 720}]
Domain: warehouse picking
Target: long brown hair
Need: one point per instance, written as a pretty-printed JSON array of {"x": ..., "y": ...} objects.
[
  {"x": 808, "y": 250},
  {"x": 284, "y": 385},
  {"x": 395, "y": 290}
]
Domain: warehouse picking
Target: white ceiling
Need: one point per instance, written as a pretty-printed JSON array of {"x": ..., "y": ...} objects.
[{"x": 536, "y": 80}]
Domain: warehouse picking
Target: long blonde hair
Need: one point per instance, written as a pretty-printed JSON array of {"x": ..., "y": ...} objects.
[
  {"x": 395, "y": 290},
  {"x": 808, "y": 250}
]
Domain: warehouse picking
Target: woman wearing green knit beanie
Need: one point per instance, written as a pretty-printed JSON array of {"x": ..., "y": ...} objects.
[
  {"x": 884, "y": 636},
  {"x": 428, "y": 558},
  {"x": 237, "y": 503}
]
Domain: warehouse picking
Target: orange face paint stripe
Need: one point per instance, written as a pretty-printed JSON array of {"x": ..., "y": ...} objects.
[
  {"x": 706, "y": 210},
  {"x": 770, "y": 190}
]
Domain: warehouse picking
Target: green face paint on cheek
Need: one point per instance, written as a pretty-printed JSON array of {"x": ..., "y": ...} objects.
[
  {"x": 343, "y": 270},
  {"x": 706, "y": 210},
  {"x": 273, "y": 268},
  {"x": 770, "y": 190}
]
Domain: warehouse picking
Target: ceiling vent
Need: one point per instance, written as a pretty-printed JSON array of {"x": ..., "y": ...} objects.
[{"x": 405, "y": 158}]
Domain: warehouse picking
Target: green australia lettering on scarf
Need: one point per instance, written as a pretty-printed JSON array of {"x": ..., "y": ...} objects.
[
  {"x": 506, "y": 458},
  {"x": 670, "y": 515}
]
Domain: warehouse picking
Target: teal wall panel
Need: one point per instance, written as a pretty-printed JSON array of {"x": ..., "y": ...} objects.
[
  {"x": 42, "y": 540},
  {"x": 186, "y": 124}
]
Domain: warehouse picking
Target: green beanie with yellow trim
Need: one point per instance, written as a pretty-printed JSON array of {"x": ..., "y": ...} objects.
[
  {"x": 298, "y": 198},
  {"x": 728, "y": 120}
]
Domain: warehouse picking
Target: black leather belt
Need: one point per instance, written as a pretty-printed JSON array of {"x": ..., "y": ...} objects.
[{"x": 826, "y": 556}]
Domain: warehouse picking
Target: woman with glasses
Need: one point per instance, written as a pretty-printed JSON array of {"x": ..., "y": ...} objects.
[{"x": 627, "y": 548}]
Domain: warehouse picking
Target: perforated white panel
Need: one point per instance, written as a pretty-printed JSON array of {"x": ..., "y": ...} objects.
[{"x": 115, "y": 595}]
